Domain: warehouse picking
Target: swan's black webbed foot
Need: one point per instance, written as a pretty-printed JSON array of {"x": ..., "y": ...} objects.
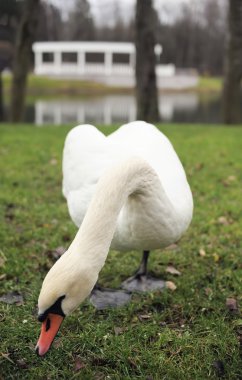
[
  {"x": 102, "y": 298},
  {"x": 141, "y": 281}
]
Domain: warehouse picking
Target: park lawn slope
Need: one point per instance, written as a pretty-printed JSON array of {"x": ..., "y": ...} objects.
[
  {"x": 184, "y": 334},
  {"x": 43, "y": 87}
]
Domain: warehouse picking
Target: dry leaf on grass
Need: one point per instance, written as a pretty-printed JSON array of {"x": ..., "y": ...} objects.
[
  {"x": 143, "y": 317},
  {"x": 79, "y": 364},
  {"x": 53, "y": 161},
  {"x": 172, "y": 270},
  {"x": 199, "y": 166},
  {"x": 223, "y": 220},
  {"x": 229, "y": 180},
  {"x": 170, "y": 285},
  {"x": 118, "y": 330},
  {"x": 202, "y": 252},
  {"x": 208, "y": 291},
  {"x": 21, "y": 363},
  {"x": 232, "y": 305}
]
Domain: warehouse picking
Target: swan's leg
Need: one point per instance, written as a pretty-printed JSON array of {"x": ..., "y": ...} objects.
[
  {"x": 142, "y": 271},
  {"x": 103, "y": 298},
  {"x": 141, "y": 281}
]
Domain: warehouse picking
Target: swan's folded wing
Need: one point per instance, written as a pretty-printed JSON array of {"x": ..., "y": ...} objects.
[{"x": 84, "y": 158}]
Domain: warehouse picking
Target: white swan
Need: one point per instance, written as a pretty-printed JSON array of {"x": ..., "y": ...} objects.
[{"x": 128, "y": 191}]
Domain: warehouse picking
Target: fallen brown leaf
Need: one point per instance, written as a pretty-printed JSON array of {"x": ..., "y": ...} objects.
[
  {"x": 79, "y": 364},
  {"x": 144, "y": 316},
  {"x": 21, "y": 363},
  {"x": 118, "y": 330},
  {"x": 170, "y": 285},
  {"x": 223, "y": 220},
  {"x": 172, "y": 270},
  {"x": 208, "y": 291},
  {"x": 53, "y": 161},
  {"x": 230, "y": 179},
  {"x": 232, "y": 305},
  {"x": 202, "y": 252},
  {"x": 199, "y": 166}
]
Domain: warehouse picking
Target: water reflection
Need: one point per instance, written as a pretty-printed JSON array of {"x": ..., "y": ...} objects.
[{"x": 110, "y": 109}]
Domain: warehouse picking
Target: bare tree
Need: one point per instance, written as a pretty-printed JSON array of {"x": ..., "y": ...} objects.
[
  {"x": 233, "y": 68},
  {"x": 146, "y": 89},
  {"x": 22, "y": 57},
  {"x": 9, "y": 14},
  {"x": 50, "y": 24},
  {"x": 80, "y": 24},
  {"x": 194, "y": 35}
]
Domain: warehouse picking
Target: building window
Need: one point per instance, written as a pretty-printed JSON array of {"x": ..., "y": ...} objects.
[
  {"x": 69, "y": 57},
  {"x": 94, "y": 57},
  {"x": 121, "y": 58},
  {"x": 48, "y": 57}
]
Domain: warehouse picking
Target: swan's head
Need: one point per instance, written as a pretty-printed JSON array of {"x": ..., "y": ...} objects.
[{"x": 65, "y": 286}]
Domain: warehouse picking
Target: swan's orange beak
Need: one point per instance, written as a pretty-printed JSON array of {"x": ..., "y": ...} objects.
[{"x": 49, "y": 329}]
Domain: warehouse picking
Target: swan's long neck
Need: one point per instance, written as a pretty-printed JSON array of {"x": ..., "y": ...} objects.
[{"x": 132, "y": 177}]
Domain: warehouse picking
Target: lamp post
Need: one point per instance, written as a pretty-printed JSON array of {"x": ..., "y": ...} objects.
[{"x": 158, "y": 51}]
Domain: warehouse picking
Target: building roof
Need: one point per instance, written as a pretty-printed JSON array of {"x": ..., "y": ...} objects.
[{"x": 92, "y": 46}]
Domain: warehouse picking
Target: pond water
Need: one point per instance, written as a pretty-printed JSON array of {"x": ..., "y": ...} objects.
[{"x": 187, "y": 107}]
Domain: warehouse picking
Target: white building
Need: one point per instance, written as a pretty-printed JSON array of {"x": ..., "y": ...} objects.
[{"x": 111, "y": 63}]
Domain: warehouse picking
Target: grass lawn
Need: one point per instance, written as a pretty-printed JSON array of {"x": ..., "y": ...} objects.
[
  {"x": 47, "y": 87},
  {"x": 189, "y": 333}
]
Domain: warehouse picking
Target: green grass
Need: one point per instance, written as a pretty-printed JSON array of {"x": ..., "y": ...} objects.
[
  {"x": 49, "y": 87},
  {"x": 210, "y": 84},
  {"x": 185, "y": 334}
]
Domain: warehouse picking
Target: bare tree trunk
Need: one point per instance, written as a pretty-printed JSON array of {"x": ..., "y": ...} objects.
[
  {"x": 1, "y": 99},
  {"x": 22, "y": 58},
  {"x": 146, "y": 89},
  {"x": 233, "y": 68}
]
